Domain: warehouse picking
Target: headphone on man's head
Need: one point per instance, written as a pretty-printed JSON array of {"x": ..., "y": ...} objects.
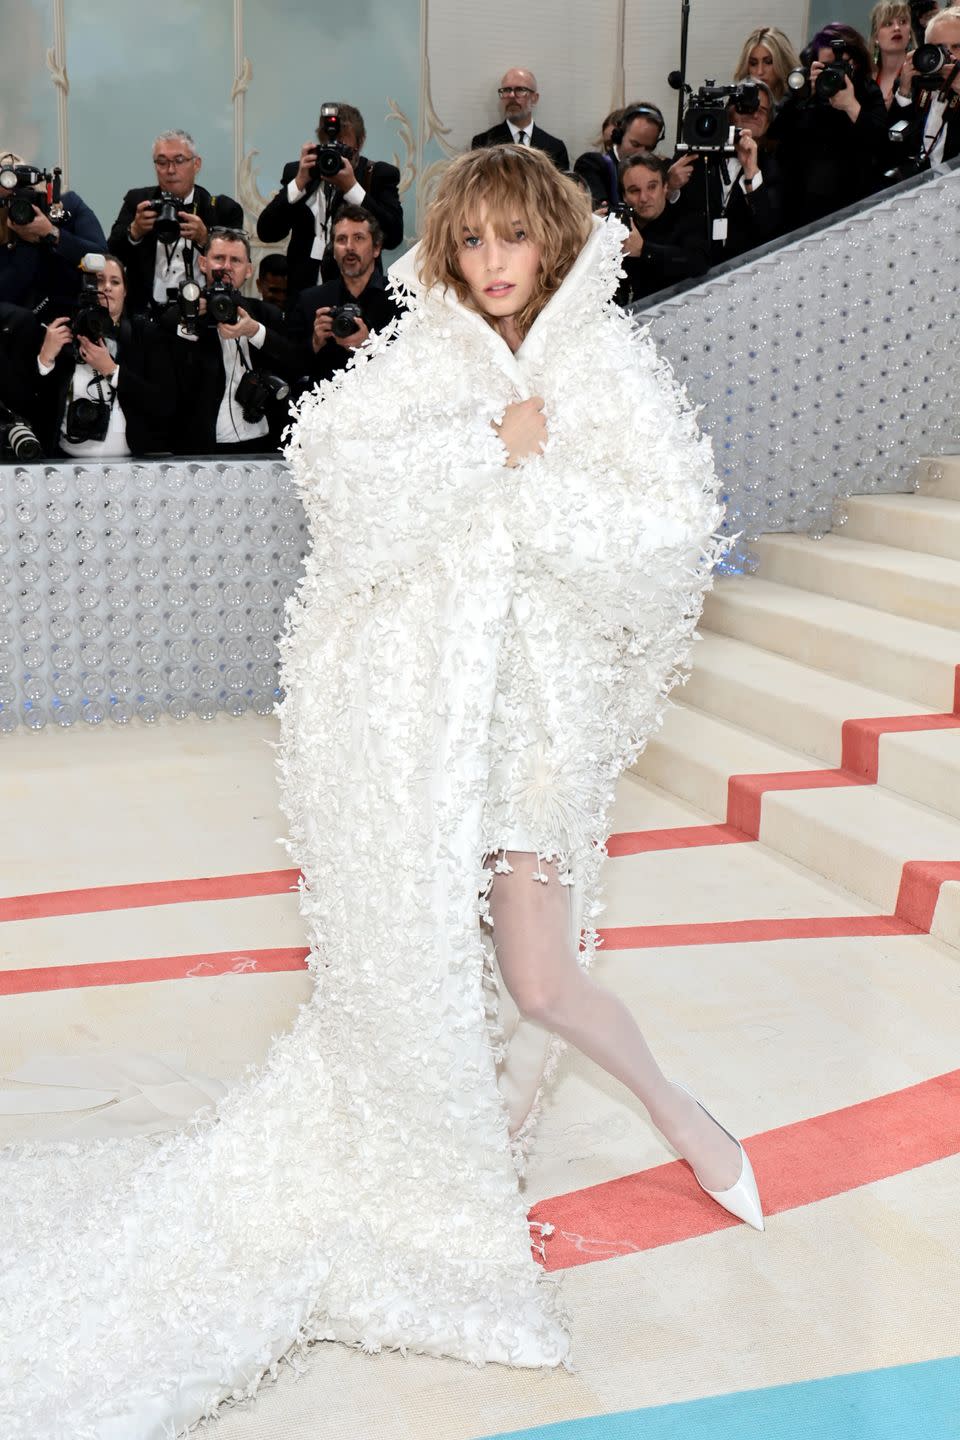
[{"x": 638, "y": 112}]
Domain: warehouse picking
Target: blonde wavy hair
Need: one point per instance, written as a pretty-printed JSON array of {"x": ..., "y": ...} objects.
[
  {"x": 785, "y": 58},
  {"x": 504, "y": 184}
]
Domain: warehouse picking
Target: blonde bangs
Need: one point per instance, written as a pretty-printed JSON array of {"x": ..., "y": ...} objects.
[
  {"x": 504, "y": 185},
  {"x": 885, "y": 14}
]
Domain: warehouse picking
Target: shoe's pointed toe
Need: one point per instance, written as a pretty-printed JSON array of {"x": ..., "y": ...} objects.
[{"x": 743, "y": 1198}]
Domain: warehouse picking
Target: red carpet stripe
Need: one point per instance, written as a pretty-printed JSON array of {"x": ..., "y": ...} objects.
[
  {"x": 162, "y": 967},
  {"x": 153, "y": 892},
  {"x": 681, "y": 837},
  {"x": 795, "y": 1165},
  {"x": 920, "y": 884},
  {"x": 738, "y": 932}
]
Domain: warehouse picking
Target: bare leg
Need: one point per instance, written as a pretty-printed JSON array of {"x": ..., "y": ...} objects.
[{"x": 531, "y": 931}]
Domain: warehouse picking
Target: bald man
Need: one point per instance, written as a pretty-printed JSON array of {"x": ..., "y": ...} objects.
[{"x": 518, "y": 97}]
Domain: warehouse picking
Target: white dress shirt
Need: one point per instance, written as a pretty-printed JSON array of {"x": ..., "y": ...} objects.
[
  {"x": 317, "y": 202},
  {"x": 516, "y": 131},
  {"x": 231, "y": 426}
]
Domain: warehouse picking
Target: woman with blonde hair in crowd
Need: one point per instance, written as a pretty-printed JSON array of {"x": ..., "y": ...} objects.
[
  {"x": 767, "y": 55},
  {"x": 890, "y": 41}
]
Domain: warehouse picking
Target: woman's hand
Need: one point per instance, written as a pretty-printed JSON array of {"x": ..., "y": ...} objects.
[
  {"x": 846, "y": 100},
  {"x": 906, "y": 78},
  {"x": 58, "y": 334},
  {"x": 97, "y": 356},
  {"x": 523, "y": 429}
]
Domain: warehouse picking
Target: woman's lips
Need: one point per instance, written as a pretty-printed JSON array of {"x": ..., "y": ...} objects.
[{"x": 500, "y": 287}]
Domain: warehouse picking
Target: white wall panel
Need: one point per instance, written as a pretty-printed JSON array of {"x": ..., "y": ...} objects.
[{"x": 572, "y": 48}]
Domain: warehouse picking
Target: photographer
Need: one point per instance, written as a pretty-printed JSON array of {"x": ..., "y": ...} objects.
[
  {"x": 42, "y": 240},
  {"x": 312, "y": 190},
  {"x": 666, "y": 243},
  {"x": 107, "y": 379},
  {"x": 929, "y": 103},
  {"x": 232, "y": 373},
  {"x": 640, "y": 127},
  {"x": 162, "y": 229},
  {"x": 329, "y": 321},
  {"x": 740, "y": 197},
  {"x": 831, "y": 132},
  {"x": 21, "y": 335}
]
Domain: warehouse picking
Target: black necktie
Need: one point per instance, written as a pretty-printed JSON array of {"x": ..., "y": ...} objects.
[{"x": 522, "y": 138}]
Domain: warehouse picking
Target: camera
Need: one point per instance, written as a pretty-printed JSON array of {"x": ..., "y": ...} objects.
[
  {"x": 90, "y": 319},
  {"x": 17, "y": 436},
  {"x": 223, "y": 300},
  {"x": 256, "y": 391},
  {"x": 622, "y": 212},
  {"x": 23, "y": 186},
  {"x": 832, "y": 78},
  {"x": 345, "y": 320},
  {"x": 87, "y": 420},
  {"x": 329, "y": 155},
  {"x": 166, "y": 209},
  {"x": 706, "y": 128},
  {"x": 931, "y": 63}
]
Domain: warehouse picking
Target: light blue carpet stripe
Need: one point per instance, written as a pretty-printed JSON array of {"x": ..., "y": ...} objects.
[{"x": 907, "y": 1402}]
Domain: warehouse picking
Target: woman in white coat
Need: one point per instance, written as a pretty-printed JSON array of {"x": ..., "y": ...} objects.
[{"x": 512, "y": 518}]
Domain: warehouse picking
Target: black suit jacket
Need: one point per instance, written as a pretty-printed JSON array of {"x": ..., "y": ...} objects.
[
  {"x": 201, "y": 378},
  {"x": 21, "y": 336},
  {"x": 281, "y": 219},
  {"x": 539, "y": 140},
  {"x": 377, "y": 305},
  {"x": 827, "y": 161},
  {"x": 674, "y": 248},
  {"x": 599, "y": 169},
  {"x": 141, "y": 260},
  {"x": 145, "y": 388},
  {"x": 913, "y": 144},
  {"x": 752, "y": 217},
  {"x": 30, "y": 273}
]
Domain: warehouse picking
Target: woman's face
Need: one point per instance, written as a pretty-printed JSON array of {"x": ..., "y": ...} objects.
[
  {"x": 760, "y": 65},
  {"x": 501, "y": 274},
  {"x": 895, "y": 36},
  {"x": 112, "y": 288}
]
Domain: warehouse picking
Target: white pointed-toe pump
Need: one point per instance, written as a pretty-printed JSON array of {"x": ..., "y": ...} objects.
[{"x": 743, "y": 1198}]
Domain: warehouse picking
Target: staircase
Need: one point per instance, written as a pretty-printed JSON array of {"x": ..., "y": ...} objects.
[{"x": 822, "y": 716}]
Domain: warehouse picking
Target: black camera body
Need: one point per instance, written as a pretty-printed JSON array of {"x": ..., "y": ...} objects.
[
  {"x": 329, "y": 155},
  {"x": 933, "y": 64},
  {"x": 23, "y": 186},
  {"x": 87, "y": 420},
  {"x": 16, "y": 435},
  {"x": 622, "y": 212},
  {"x": 223, "y": 300},
  {"x": 166, "y": 209},
  {"x": 345, "y": 320},
  {"x": 90, "y": 319},
  {"x": 831, "y": 80},
  {"x": 706, "y": 128},
  {"x": 256, "y": 391}
]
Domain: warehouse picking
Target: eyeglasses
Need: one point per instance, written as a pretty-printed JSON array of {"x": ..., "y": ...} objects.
[
  {"x": 515, "y": 90},
  {"x": 172, "y": 162}
]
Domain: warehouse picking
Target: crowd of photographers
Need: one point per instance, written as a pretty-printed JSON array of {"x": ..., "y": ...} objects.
[{"x": 144, "y": 342}]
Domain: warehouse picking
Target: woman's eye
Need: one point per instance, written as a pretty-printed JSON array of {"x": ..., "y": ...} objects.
[
  {"x": 520, "y": 234},
  {"x": 471, "y": 242}
]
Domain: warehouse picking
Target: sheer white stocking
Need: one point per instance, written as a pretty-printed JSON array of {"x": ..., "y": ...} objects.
[{"x": 531, "y": 933}]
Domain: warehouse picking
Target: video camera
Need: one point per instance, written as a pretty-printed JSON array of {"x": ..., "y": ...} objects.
[
  {"x": 19, "y": 193},
  {"x": 832, "y": 78},
  {"x": 329, "y": 155},
  {"x": 706, "y": 128}
]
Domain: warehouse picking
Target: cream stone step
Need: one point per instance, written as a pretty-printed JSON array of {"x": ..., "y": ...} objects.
[
  {"x": 911, "y": 522},
  {"x": 805, "y": 709},
  {"x": 939, "y": 477},
  {"x": 908, "y": 583},
  {"x": 900, "y": 656},
  {"x": 859, "y": 837}
]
